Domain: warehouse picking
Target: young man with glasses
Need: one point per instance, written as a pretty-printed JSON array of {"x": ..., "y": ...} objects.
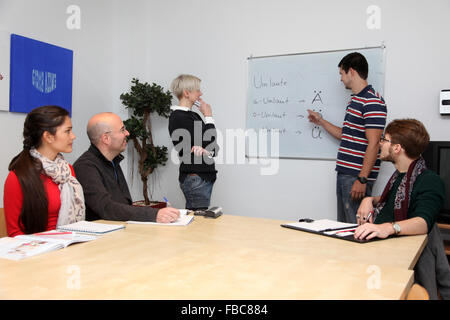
[
  {"x": 417, "y": 207},
  {"x": 98, "y": 170},
  {"x": 409, "y": 203},
  {"x": 357, "y": 162}
]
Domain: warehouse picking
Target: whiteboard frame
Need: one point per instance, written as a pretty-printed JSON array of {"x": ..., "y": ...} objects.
[{"x": 382, "y": 46}]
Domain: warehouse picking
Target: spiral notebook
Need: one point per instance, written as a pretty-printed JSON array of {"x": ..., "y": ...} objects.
[{"x": 91, "y": 227}]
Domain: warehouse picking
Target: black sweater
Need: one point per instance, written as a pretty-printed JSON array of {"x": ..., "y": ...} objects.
[
  {"x": 105, "y": 197},
  {"x": 194, "y": 132}
]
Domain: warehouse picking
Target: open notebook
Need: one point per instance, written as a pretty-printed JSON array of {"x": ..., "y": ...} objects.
[
  {"x": 24, "y": 246},
  {"x": 91, "y": 227}
]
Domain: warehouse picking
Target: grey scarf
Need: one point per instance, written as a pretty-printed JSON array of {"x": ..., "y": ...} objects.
[{"x": 71, "y": 193}]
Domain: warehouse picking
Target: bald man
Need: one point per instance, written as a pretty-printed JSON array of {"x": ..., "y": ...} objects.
[{"x": 98, "y": 170}]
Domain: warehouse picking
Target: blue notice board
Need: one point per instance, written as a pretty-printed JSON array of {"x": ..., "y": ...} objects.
[{"x": 41, "y": 74}]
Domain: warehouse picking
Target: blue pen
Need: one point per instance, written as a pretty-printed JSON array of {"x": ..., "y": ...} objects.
[{"x": 167, "y": 201}]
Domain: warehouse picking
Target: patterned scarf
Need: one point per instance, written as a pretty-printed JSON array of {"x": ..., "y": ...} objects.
[
  {"x": 402, "y": 197},
  {"x": 72, "y": 199}
]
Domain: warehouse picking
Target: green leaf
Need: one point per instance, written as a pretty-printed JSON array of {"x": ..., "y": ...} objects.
[
  {"x": 144, "y": 99},
  {"x": 155, "y": 158}
]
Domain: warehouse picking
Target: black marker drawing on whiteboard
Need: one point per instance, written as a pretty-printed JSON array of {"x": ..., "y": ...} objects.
[
  {"x": 316, "y": 132},
  {"x": 299, "y": 116},
  {"x": 259, "y": 85},
  {"x": 317, "y": 97},
  {"x": 266, "y": 114},
  {"x": 269, "y": 130}
]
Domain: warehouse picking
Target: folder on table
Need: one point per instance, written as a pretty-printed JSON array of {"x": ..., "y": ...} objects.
[{"x": 329, "y": 228}]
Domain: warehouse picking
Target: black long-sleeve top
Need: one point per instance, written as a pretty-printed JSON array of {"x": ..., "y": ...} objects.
[{"x": 194, "y": 132}]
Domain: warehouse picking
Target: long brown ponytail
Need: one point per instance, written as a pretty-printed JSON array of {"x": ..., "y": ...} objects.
[{"x": 34, "y": 214}]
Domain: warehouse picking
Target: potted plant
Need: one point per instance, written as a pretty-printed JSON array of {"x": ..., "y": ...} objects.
[{"x": 143, "y": 100}]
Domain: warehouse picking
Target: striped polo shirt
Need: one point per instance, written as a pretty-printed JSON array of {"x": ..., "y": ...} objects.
[{"x": 366, "y": 110}]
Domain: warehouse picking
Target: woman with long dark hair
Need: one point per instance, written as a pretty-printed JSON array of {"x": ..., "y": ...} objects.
[{"x": 41, "y": 191}]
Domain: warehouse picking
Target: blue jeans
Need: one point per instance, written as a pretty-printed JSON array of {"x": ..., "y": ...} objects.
[
  {"x": 197, "y": 192},
  {"x": 346, "y": 207}
]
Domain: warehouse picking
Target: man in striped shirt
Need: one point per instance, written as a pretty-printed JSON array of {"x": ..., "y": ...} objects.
[{"x": 358, "y": 160}]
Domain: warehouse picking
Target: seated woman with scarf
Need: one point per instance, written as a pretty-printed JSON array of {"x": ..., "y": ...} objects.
[{"x": 41, "y": 191}]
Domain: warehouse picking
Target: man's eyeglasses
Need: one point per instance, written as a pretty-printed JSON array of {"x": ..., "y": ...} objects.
[
  {"x": 383, "y": 139},
  {"x": 122, "y": 130}
]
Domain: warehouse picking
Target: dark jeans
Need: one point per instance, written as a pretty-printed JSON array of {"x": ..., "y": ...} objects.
[
  {"x": 346, "y": 207},
  {"x": 197, "y": 192}
]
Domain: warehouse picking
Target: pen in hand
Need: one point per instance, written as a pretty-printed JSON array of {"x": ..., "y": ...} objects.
[
  {"x": 167, "y": 202},
  {"x": 368, "y": 217}
]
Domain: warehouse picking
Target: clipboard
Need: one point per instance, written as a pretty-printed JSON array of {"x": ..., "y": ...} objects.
[{"x": 328, "y": 228}]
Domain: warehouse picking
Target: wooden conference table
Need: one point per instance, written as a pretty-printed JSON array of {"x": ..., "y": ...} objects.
[{"x": 232, "y": 257}]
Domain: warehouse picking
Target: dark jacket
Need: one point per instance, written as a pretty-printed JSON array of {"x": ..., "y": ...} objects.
[{"x": 106, "y": 196}]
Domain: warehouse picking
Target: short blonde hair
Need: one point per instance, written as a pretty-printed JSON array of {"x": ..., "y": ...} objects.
[{"x": 184, "y": 82}]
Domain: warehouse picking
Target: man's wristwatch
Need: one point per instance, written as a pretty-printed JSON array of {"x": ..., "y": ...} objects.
[
  {"x": 363, "y": 180},
  {"x": 396, "y": 227}
]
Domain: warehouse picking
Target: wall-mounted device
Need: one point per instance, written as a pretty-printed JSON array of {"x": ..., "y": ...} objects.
[{"x": 444, "y": 102}]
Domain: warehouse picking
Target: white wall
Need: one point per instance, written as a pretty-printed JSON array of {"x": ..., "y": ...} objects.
[
  {"x": 102, "y": 60},
  {"x": 157, "y": 40},
  {"x": 212, "y": 39}
]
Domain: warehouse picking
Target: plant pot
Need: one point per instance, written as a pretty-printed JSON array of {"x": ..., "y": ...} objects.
[{"x": 153, "y": 204}]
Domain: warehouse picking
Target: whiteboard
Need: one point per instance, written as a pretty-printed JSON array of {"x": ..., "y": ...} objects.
[{"x": 282, "y": 88}]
